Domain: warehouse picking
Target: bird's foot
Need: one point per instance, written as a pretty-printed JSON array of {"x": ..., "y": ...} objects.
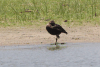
[{"x": 55, "y": 43}]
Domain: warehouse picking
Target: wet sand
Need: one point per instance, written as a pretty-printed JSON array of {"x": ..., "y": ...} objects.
[{"x": 31, "y": 36}]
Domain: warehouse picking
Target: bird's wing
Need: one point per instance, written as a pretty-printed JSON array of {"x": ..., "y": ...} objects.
[{"x": 58, "y": 27}]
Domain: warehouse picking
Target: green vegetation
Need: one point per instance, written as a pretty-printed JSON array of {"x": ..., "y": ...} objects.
[{"x": 37, "y": 12}]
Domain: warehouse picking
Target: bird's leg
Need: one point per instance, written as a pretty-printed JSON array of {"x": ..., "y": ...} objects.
[
  {"x": 56, "y": 41},
  {"x": 57, "y": 38}
]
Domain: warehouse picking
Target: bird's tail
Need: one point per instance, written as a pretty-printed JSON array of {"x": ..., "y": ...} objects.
[{"x": 65, "y": 32}]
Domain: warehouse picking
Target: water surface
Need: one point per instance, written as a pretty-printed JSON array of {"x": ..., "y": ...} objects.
[{"x": 74, "y": 55}]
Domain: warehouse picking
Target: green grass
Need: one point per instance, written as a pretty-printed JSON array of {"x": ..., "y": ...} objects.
[{"x": 40, "y": 12}]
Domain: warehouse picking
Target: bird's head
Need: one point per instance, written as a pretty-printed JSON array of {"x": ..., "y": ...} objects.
[{"x": 52, "y": 23}]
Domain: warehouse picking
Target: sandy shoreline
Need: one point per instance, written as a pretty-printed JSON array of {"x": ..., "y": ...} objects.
[{"x": 23, "y": 36}]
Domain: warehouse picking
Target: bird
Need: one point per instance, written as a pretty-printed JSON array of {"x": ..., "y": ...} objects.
[{"x": 55, "y": 29}]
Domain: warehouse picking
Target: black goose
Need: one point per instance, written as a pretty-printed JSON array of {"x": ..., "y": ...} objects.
[{"x": 55, "y": 29}]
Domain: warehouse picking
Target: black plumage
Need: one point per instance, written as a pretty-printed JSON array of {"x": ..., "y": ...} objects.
[{"x": 55, "y": 29}]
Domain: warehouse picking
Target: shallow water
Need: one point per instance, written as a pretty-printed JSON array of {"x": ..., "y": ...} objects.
[{"x": 74, "y": 55}]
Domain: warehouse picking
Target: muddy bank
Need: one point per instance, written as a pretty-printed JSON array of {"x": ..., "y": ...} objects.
[{"x": 22, "y": 36}]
